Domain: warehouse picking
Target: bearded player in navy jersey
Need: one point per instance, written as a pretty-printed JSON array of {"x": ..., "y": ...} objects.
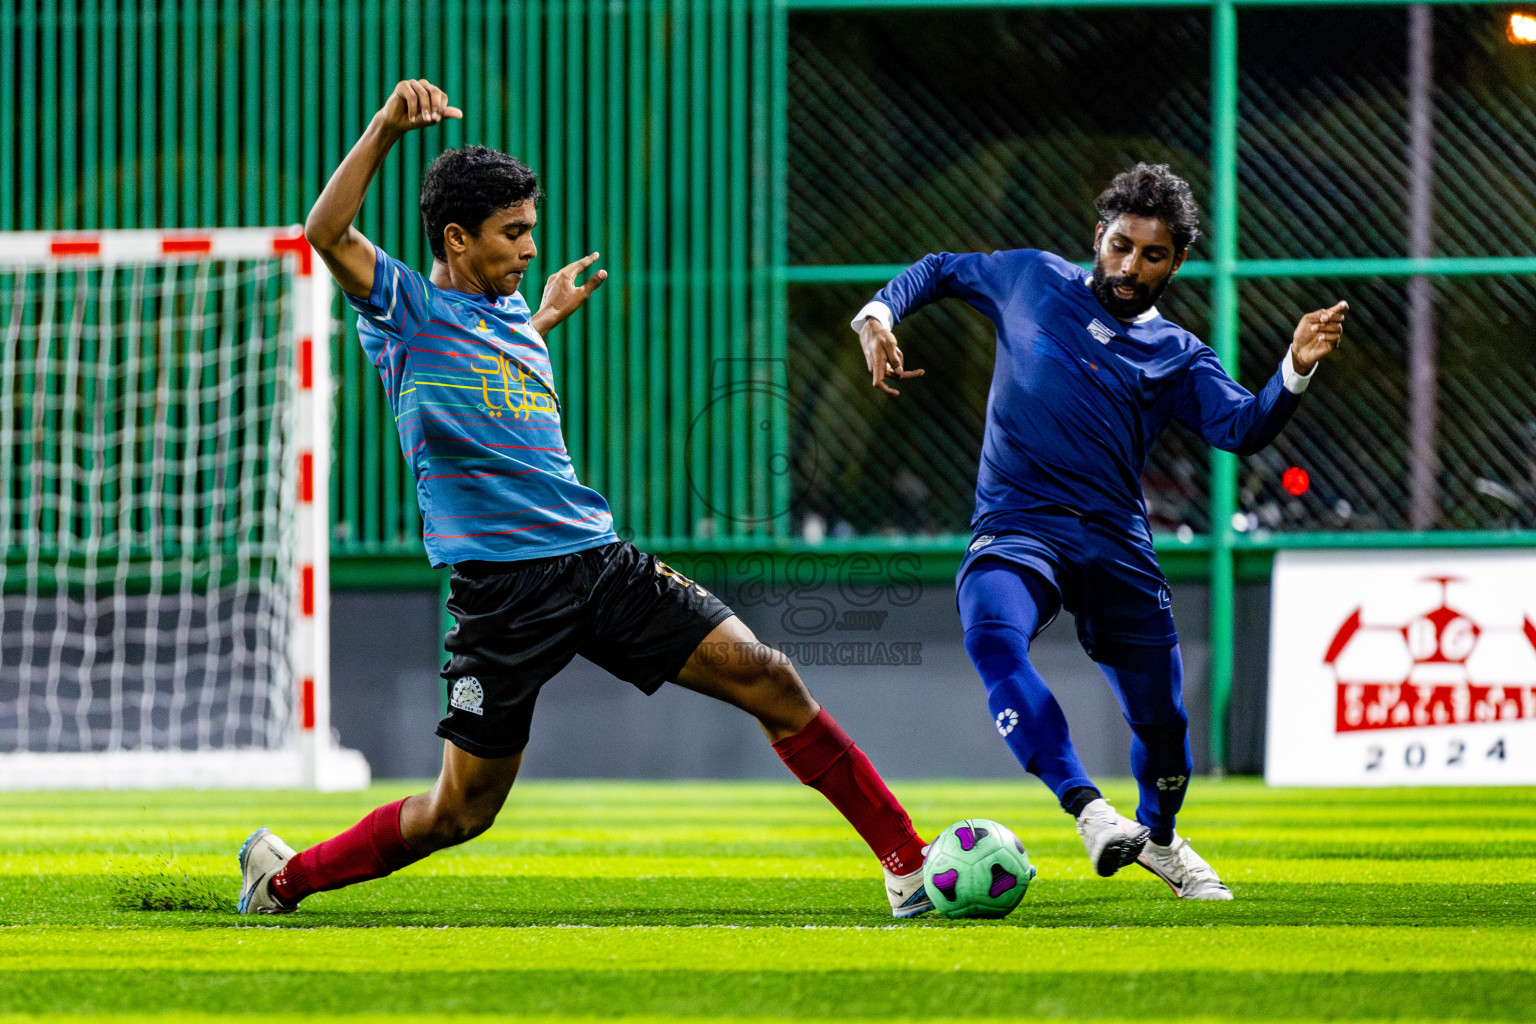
[
  {"x": 538, "y": 574},
  {"x": 1087, "y": 375}
]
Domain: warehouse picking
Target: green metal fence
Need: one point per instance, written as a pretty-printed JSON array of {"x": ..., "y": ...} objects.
[
  {"x": 751, "y": 171},
  {"x": 649, "y": 123}
]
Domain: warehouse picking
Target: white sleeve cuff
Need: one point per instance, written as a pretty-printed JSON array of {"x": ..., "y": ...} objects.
[
  {"x": 877, "y": 310},
  {"x": 1295, "y": 382}
]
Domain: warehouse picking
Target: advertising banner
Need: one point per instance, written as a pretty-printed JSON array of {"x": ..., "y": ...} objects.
[{"x": 1402, "y": 668}]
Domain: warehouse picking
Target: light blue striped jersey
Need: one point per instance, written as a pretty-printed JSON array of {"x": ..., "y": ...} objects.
[{"x": 473, "y": 394}]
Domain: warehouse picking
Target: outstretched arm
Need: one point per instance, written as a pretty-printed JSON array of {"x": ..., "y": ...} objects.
[
  {"x": 415, "y": 103},
  {"x": 935, "y": 276},
  {"x": 1228, "y": 416}
]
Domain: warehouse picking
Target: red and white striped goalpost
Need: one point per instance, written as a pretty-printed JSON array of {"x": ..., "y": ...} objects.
[{"x": 308, "y": 758}]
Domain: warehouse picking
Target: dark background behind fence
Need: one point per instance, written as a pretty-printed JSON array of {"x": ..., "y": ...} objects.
[{"x": 905, "y": 132}]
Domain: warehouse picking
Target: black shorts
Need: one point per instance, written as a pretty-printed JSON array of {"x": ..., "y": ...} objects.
[{"x": 519, "y": 623}]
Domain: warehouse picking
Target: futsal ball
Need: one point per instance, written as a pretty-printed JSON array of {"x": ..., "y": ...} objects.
[{"x": 977, "y": 868}]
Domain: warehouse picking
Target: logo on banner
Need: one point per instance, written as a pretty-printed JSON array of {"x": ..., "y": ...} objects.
[{"x": 1440, "y": 668}]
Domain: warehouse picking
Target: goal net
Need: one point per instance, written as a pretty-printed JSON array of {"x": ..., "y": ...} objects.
[{"x": 163, "y": 514}]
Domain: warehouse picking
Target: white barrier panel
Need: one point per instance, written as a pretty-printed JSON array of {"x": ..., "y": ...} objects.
[{"x": 1402, "y": 668}]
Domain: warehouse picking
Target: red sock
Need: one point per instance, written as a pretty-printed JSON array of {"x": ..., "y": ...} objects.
[
  {"x": 372, "y": 848},
  {"x": 823, "y": 757}
]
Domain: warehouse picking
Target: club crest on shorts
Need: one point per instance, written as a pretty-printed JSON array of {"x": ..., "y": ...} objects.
[
  {"x": 982, "y": 541},
  {"x": 468, "y": 696}
]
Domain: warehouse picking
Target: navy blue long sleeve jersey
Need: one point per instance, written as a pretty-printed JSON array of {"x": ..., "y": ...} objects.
[{"x": 1078, "y": 397}]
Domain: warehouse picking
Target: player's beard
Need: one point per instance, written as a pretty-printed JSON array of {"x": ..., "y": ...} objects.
[{"x": 1124, "y": 309}]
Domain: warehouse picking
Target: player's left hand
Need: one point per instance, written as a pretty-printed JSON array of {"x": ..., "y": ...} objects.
[
  {"x": 563, "y": 296},
  {"x": 1318, "y": 333}
]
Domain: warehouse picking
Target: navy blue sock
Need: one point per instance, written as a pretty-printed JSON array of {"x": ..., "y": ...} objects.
[
  {"x": 1001, "y": 605},
  {"x": 1077, "y": 799},
  {"x": 1149, "y": 683}
]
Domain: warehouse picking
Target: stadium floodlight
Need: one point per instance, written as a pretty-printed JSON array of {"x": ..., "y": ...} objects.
[
  {"x": 164, "y": 611},
  {"x": 1522, "y": 27}
]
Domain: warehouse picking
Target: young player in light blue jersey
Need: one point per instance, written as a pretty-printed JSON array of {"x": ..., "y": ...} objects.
[
  {"x": 469, "y": 379},
  {"x": 1087, "y": 375},
  {"x": 538, "y": 574}
]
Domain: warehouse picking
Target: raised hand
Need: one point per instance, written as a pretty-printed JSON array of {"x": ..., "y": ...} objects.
[
  {"x": 563, "y": 296},
  {"x": 883, "y": 356},
  {"x": 1318, "y": 333},
  {"x": 415, "y": 103}
]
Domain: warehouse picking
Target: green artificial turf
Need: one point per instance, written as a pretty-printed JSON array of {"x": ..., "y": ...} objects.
[{"x": 755, "y": 901}]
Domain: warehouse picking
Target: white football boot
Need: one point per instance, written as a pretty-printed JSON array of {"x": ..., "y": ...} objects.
[
  {"x": 1185, "y": 871},
  {"x": 908, "y": 897},
  {"x": 262, "y": 856},
  {"x": 906, "y": 892},
  {"x": 1113, "y": 841}
]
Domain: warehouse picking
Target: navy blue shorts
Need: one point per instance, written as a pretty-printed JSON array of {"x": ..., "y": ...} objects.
[{"x": 1107, "y": 577}]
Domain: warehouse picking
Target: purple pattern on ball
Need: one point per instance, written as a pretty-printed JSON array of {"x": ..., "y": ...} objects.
[
  {"x": 966, "y": 836},
  {"x": 945, "y": 882},
  {"x": 1001, "y": 884}
]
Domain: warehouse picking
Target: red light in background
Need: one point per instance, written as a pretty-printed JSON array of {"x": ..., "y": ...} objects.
[{"x": 1296, "y": 481}]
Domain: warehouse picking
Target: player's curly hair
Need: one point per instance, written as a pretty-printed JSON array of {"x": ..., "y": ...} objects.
[
  {"x": 1152, "y": 190},
  {"x": 465, "y": 186}
]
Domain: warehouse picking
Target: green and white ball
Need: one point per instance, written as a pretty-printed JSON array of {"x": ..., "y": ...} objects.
[{"x": 977, "y": 868}]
